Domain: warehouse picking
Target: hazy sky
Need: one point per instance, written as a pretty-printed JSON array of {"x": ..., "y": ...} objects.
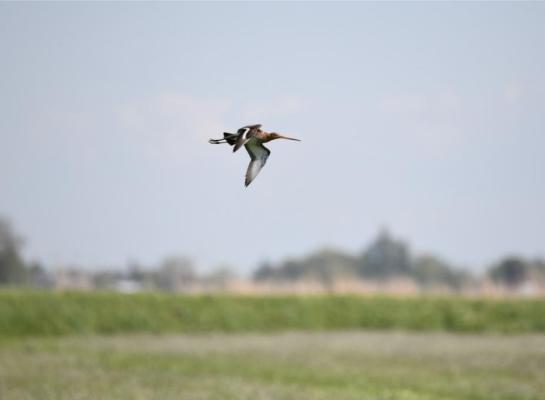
[{"x": 428, "y": 118}]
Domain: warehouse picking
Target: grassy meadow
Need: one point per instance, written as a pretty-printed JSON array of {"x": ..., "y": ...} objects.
[
  {"x": 354, "y": 365},
  {"x": 158, "y": 346},
  {"x": 34, "y": 313}
]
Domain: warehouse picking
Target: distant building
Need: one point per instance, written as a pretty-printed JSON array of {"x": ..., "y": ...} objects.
[
  {"x": 128, "y": 286},
  {"x": 72, "y": 279}
]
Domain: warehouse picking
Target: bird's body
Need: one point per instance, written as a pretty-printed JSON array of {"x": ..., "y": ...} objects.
[{"x": 252, "y": 138}]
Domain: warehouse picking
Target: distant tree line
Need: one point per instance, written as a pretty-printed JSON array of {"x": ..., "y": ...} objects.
[
  {"x": 513, "y": 272},
  {"x": 172, "y": 274},
  {"x": 384, "y": 259},
  {"x": 388, "y": 258}
]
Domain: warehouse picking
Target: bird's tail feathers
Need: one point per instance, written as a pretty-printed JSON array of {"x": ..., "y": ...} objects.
[{"x": 230, "y": 138}]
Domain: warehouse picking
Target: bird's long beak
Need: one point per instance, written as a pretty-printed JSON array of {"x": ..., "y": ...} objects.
[{"x": 286, "y": 137}]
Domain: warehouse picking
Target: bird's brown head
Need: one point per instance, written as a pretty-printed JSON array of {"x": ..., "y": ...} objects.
[{"x": 274, "y": 135}]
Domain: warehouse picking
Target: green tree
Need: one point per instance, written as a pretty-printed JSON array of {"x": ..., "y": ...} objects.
[
  {"x": 265, "y": 271},
  {"x": 176, "y": 274},
  {"x": 325, "y": 266},
  {"x": 511, "y": 271},
  {"x": 12, "y": 267},
  {"x": 37, "y": 276},
  {"x": 430, "y": 270},
  {"x": 385, "y": 258}
]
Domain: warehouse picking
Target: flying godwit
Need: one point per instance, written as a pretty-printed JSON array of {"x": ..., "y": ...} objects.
[{"x": 252, "y": 138}]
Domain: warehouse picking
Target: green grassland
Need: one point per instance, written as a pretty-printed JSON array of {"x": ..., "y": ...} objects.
[
  {"x": 354, "y": 365},
  {"x": 103, "y": 345},
  {"x": 35, "y": 313}
]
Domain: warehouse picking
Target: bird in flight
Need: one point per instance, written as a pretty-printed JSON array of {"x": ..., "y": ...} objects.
[{"x": 252, "y": 138}]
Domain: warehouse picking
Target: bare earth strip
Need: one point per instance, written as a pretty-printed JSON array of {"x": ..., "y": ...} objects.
[{"x": 299, "y": 365}]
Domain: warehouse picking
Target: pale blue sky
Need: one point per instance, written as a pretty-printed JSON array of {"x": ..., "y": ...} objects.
[{"x": 428, "y": 118}]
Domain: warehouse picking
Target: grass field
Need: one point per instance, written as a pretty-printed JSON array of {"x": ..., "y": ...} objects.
[
  {"x": 293, "y": 365},
  {"x": 159, "y": 346},
  {"x": 34, "y": 313}
]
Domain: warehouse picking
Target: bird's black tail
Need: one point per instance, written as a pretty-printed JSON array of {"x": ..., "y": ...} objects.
[{"x": 230, "y": 138}]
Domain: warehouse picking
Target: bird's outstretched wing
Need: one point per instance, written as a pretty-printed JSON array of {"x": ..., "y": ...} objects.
[
  {"x": 255, "y": 126},
  {"x": 259, "y": 154}
]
